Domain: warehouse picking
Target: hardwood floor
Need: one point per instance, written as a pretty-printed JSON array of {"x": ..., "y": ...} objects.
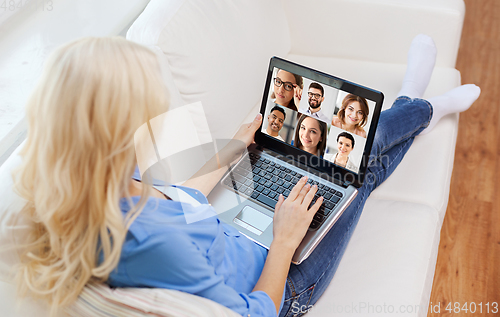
[{"x": 468, "y": 265}]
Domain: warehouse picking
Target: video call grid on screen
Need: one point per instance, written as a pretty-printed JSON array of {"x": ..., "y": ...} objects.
[{"x": 314, "y": 117}]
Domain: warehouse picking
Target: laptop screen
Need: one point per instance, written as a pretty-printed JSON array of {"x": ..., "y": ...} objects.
[{"x": 323, "y": 120}]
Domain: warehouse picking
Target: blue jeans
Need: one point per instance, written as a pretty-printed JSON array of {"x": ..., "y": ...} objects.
[{"x": 396, "y": 131}]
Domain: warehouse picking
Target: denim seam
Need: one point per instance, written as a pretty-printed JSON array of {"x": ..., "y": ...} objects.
[
  {"x": 300, "y": 294},
  {"x": 431, "y": 109},
  {"x": 403, "y": 97},
  {"x": 312, "y": 288},
  {"x": 292, "y": 287},
  {"x": 312, "y": 292}
]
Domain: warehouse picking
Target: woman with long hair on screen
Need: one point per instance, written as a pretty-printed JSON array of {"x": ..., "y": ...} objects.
[
  {"x": 287, "y": 89},
  {"x": 93, "y": 222},
  {"x": 353, "y": 115},
  {"x": 310, "y": 135}
]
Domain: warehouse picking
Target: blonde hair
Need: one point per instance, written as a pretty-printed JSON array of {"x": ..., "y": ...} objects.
[{"x": 78, "y": 160}]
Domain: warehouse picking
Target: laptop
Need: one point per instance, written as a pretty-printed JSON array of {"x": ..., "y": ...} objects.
[{"x": 300, "y": 137}]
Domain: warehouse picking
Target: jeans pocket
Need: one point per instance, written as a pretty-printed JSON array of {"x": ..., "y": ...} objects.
[{"x": 299, "y": 305}]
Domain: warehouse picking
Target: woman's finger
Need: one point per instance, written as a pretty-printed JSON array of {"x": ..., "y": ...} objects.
[
  {"x": 247, "y": 131},
  {"x": 297, "y": 188},
  {"x": 298, "y": 92},
  {"x": 310, "y": 195},
  {"x": 281, "y": 199},
  {"x": 315, "y": 207},
  {"x": 303, "y": 193}
]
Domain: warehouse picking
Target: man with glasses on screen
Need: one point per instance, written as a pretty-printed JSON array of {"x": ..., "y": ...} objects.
[{"x": 315, "y": 96}]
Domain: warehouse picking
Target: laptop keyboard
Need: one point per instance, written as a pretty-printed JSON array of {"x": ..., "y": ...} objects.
[{"x": 264, "y": 180}]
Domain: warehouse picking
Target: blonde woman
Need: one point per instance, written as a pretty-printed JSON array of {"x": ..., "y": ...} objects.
[
  {"x": 94, "y": 222},
  {"x": 78, "y": 159},
  {"x": 90, "y": 214}
]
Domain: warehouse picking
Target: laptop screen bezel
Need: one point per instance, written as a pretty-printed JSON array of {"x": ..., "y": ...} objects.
[{"x": 343, "y": 175}]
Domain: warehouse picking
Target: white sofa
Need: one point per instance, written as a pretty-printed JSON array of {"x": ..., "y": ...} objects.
[{"x": 217, "y": 52}]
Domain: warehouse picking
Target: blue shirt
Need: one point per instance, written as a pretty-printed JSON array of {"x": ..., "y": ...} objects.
[{"x": 205, "y": 258}]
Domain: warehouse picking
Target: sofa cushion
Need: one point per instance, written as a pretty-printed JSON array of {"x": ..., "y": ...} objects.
[
  {"x": 380, "y": 32},
  {"x": 205, "y": 42},
  {"x": 389, "y": 262},
  {"x": 13, "y": 306}
]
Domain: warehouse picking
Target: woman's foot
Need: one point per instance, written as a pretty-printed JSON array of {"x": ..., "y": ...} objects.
[
  {"x": 421, "y": 60},
  {"x": 456, "y": 100}
]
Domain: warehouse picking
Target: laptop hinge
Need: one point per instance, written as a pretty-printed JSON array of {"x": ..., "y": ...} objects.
[
  {"x": 304, "y": 167},
  {"x": 347, "y": 184}
]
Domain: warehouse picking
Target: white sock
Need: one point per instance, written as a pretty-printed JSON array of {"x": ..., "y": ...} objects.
[
  {"x": 421, "y": 60},
  {"x": 456, "y": 100}
]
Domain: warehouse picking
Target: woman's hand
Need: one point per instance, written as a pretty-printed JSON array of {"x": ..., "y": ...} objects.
[
  {"x": 297, "y": 95},
  {"x": 292, "y": 216},
  {"x": 247, "y": 131},
  {"x": 291, "y": 220},
  {"x": 210, "y": 174}
]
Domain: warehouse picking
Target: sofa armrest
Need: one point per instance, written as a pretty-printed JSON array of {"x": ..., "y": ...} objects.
[{"x": 320, "y": 28}]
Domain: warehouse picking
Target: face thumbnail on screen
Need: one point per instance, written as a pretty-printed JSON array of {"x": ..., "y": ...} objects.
[{"x": 317, "y": 118}]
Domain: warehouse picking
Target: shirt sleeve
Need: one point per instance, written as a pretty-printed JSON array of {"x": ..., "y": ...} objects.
[{"x": 170, "y": 260}]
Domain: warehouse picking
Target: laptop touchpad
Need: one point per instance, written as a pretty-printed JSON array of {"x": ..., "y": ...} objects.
[{"x": 253, "y": 220}]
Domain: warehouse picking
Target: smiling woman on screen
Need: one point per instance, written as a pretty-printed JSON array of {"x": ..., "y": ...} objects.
[
  {"x": 310, "y": 135},
  {"x": 353, "y": 115},
  {"x": 287, "y": 89}
]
